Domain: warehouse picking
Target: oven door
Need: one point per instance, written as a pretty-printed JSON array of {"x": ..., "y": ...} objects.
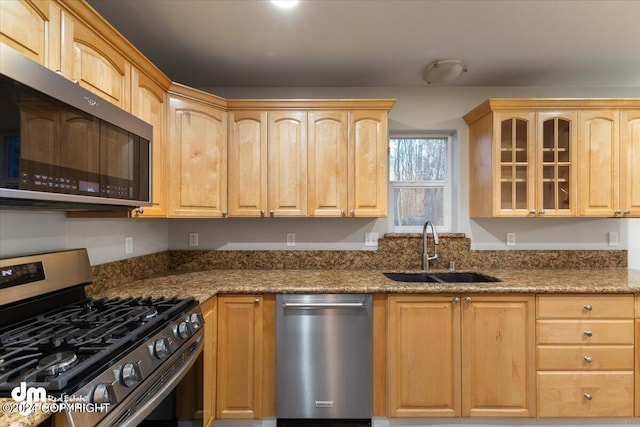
[{"x": 148, "y": 395}]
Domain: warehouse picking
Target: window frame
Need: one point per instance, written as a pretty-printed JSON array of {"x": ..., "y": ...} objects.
[{"x": 446, "y": 185}]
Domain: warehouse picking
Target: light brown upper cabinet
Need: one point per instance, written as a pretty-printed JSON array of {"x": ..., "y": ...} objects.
[
  {"x": 328, "y": 160},
  {"x": 308, "y": 157},
  {"x": 26, "y": 27},
  {"x": 555, "y": 157},
  {"x": 197, "y": 162},
  {"x": 149, "y": 103},
  {"x": 610, "y": 163},
  {"x": 522, "y": 160},
  {"x": 348, "y": 163},
  {"x": 267, "y": 163}
]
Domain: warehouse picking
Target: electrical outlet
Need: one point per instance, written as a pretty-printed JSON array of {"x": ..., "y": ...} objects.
[
  {"x": 371, "y": 239},
  {"x": 613, "y": 238},
  {"x": 511, "y": 239},
  {"x": 128, "y": 245},
  {"x": 193, "y": 239},
  {"x": 291, "y": 239}
]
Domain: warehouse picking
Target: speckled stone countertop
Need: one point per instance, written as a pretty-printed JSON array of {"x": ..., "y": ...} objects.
[
  {"x": 205, "y": 284},
  {"x": 14, "y": 419}
]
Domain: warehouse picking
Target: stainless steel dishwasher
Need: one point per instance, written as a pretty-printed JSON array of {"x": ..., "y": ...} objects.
[{"x": 324, "y": 356}]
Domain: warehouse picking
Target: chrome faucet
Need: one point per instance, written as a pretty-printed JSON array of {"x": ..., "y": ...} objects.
[{"x": 425, "y": 254}]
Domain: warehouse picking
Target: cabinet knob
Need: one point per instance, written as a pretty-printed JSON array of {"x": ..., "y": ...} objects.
[
  {"x": 588, "y": 359},
  {"x": 456, "y": 300},
  {"x": 541, "y": 211},
  {"x": 256, "y": 301},
  {"x": 468, "y": 300},
  {"x": 224, "y": 214},
  {"x": 272, "y": 212},
  {"x": 261, "y": 212},
  {"x": 343, "y": 212},
  {"x": 618, "y": 212},
  {"x": 532, "y": 212},
  {"x": 588, "y": 396},
  {"x": 139, "y": 210},
  {"x": 627, "y": 212},
  {"x": 352, "y": 212},
  {"x": 588, "y": 307},
  {"x": 588, "y": 333}
]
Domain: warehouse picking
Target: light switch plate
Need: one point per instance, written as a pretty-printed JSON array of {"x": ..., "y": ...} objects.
[
  {"x": 291, "y": 239},
  {"x": 614, "y": 239},
  {"x": 193, "y": 239},
  {"x": 511, "y": 239}
]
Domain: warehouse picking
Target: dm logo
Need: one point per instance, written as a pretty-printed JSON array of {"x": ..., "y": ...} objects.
[{"x": 29, "y": 395}]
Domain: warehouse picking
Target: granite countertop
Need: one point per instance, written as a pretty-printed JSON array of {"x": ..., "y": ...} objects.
[
  {"x": 14, "y": 419},
  {"x": 205, "y": 284}
]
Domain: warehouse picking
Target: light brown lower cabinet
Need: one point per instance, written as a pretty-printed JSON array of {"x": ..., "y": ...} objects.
[
  {"x": 461, "y": 355},
  {"x": 585, "y": 349},
  {"x": 245, "y": 357}
]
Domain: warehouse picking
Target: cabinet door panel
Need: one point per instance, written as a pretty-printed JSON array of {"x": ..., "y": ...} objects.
[
  {"x": 247, "y": 163},
  {"x": 556, "y": 174},
  {"x": 514, "y": 183},
  {"x": 24, "y": 26},
  {"x": 197, "y": 160},
  {"x": 599, "y": 163},
  {"x": 327, "y": 190},
  {"x": 424, "y": 356},
  {"x": 630, "y": 162},
  {"x": 287, "y": 163},
  {"x": 368, "y": 160},
  {"x": 498, "y": 356},
  {"x": 239, "y": 357},
  {"x": 149, "y": 104}
]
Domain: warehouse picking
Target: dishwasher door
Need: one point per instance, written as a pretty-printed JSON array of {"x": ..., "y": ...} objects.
[{"x": 324, "y": 356}]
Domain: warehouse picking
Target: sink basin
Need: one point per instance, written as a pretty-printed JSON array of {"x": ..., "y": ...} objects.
[{"x": 451, "y": 277}]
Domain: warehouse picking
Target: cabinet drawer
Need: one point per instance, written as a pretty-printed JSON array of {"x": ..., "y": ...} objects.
[
  {"x": 588, "y": 358},
  {"x": 585, "y": 307},
  {"x": 584, "y": 332},
  {"x": 567, "y": 394}
]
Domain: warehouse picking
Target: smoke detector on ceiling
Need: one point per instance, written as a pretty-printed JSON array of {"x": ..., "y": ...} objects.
[{"x": 444, "y": 71}]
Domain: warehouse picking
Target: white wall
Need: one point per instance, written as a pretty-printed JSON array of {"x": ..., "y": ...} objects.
[
  {"x": 26, "y": 232},
  {"x": 417, "y": 108}
]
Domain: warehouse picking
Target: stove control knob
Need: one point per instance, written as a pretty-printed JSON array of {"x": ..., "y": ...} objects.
[
  {"x": 131, "y": 374},
  {"x": 103, "y": 393},
  {"x": 184, "y": 330},
  {"x": 196, "y": 321},
  {"x": 161, "y": 348}
]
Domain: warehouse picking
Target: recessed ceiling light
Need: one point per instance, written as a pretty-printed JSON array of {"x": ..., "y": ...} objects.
[{"x": 285, "y": 4}]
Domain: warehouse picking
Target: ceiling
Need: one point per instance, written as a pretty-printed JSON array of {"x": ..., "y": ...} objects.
[{"x": 238, "y": 43}]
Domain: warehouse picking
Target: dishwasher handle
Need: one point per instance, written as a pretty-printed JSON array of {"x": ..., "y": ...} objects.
[{"x": 316, "y": 305}]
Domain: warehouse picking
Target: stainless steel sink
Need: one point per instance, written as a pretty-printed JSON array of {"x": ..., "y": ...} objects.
[{"x": 450, "y": 277}]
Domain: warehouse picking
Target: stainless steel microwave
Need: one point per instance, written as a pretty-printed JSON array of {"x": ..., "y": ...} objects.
[{"x": 62, "y": 147}]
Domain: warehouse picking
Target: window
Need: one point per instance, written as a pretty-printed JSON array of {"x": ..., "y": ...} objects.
[{"x": 420, "y": 182}]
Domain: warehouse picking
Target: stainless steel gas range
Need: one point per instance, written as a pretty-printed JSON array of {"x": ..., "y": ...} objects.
[{"x": 107, "y": 362}]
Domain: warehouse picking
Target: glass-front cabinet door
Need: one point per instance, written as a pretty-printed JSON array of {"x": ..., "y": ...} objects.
[
  {"x": 515, "y": 137},
  {"x": 556, "y": 170}
]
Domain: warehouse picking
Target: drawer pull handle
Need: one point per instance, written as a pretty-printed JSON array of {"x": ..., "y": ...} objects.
[
  {"x": 588, "y": 359},
  {"x": 588, "y": 396},
  {"x": 588, "y": 307},
  {"x": 588, "y": 333}
]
